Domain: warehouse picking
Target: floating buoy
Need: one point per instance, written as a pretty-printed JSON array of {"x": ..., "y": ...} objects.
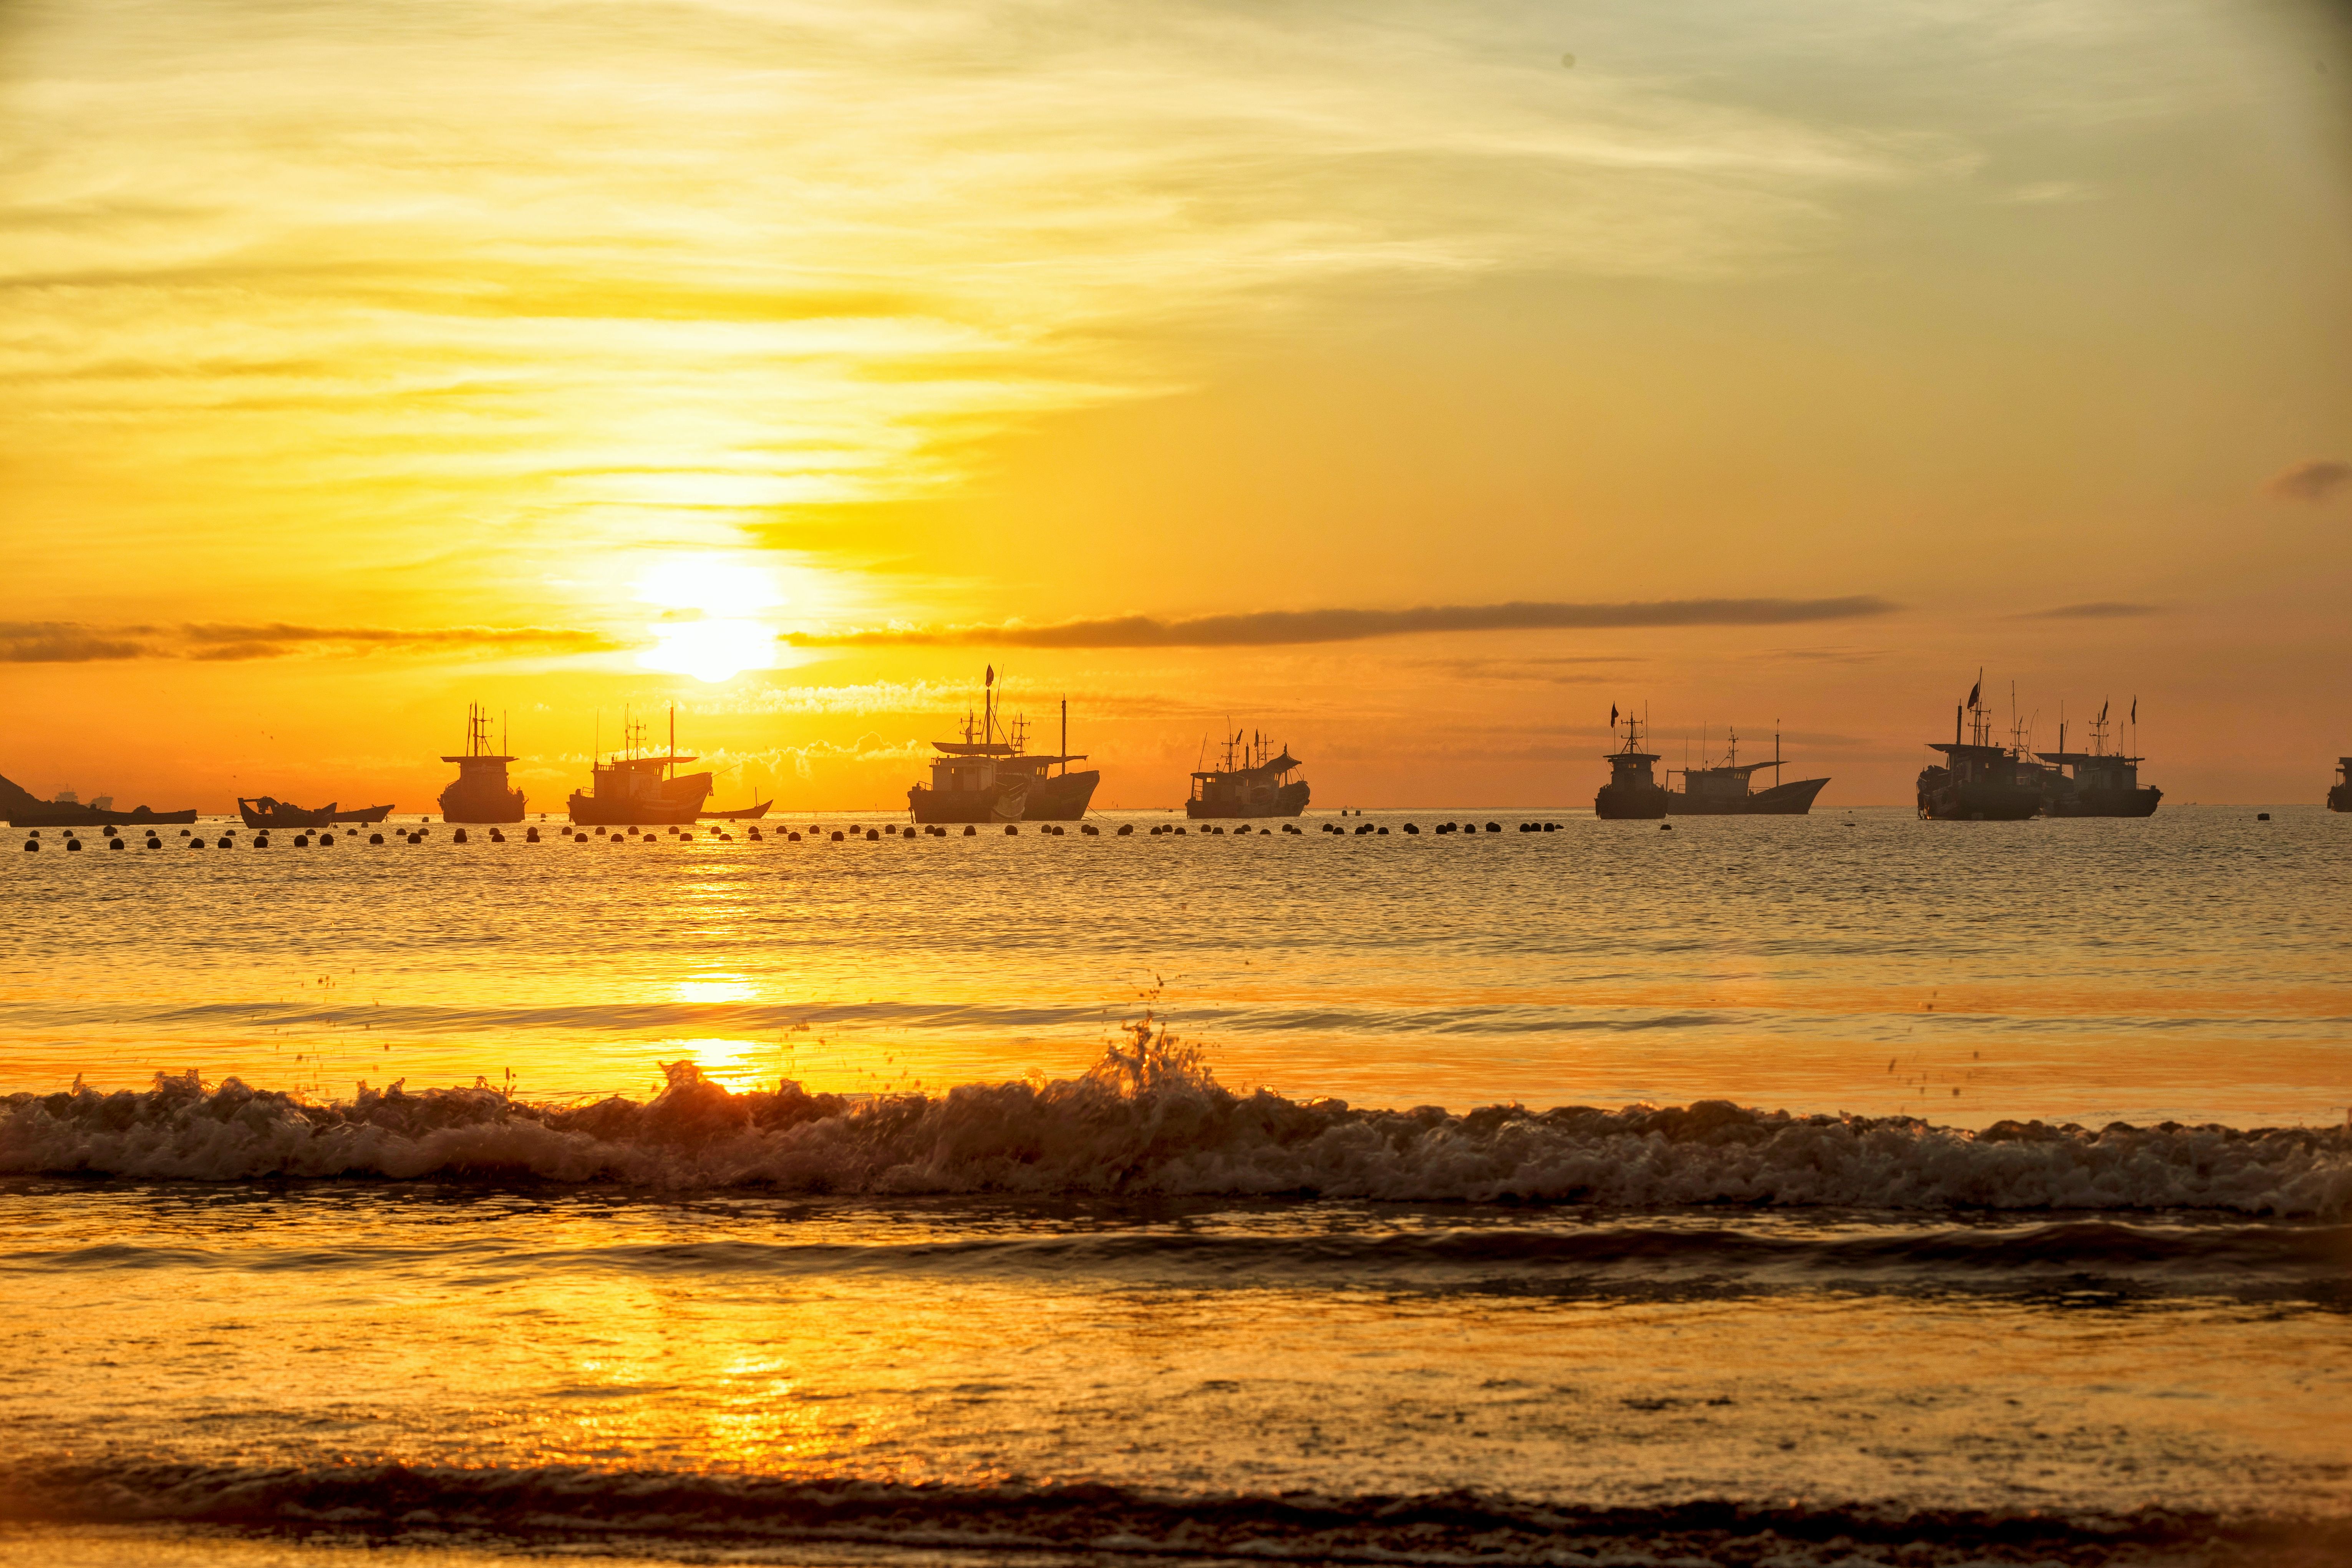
[
  {"x": 1409, "y": 828},
  {"x": 836, "y": 836},
  {"x": 301, "y": 841},
  {"x": 153, "y": 842},
  {"x": 261, "y": 841},
  {"x": 1012, "y": 831},
  {"x": 326, "y": 841},
  {"x": 530, "y": 835},
  {"x": 755, "y": 835},
  {"x": 32, "y": 846},
  {"x": 1090, "y": 830},
  {"x": 792, "y": 838},
  {"x": 1180, "y": 832},
  {"x": 1666, "y": 827},
  {"x": 196, "y": 844},
  {"x": 1380, "y": 832},
  {"x": 114, "y": 844},
  {"x": 906, "y": 833},
  {"x": 496, "y": 838},
  {"x": 2261, "y": 816},
  {"x": 73, "y": 846},
  {"x": 1126, "y": 829},
  {"x": 184, "y": 833}
]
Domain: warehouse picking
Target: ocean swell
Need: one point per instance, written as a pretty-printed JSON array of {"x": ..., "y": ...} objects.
[{"x": 1150, "y": 1120}]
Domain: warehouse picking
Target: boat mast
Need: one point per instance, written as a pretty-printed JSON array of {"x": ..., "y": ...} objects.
[
  {"x": 673, "y": 741},
  {"x": 1065, "y": 734}
]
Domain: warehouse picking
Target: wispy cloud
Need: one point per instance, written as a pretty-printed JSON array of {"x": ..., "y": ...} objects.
[
  {"x": 2313, "y": 481},
  {"x": 71, "y": 642},
  {"x": 2091, "y": 610},
  {"x": 1275, "y": 628}
]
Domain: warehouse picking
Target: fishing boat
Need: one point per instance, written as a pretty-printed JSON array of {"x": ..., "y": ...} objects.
[
  {"x": 980, "y": 778},
  {"x": 1727, "y": 788},
  {"x": 634, "y": 786},
  {"x": 266, "y": 813},
  {"x": 1632, "y": 792},
  {"x": 1979, "y": 780},
  {"x": 24, "y": 809},
  {"x": 1054, "y": 793},
  {"x": 480, "y": 792},
  {"x": 2096, "y": 783},
  {"x": 2339, "y": 798},
  {"x": 1251, "y": 784}
]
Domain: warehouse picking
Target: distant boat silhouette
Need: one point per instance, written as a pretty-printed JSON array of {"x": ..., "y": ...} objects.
[
  {"x": 266, "y": 813},
  {"x": 1632, "y": 792},
  {"x": 2101, "y": 782},
  {"x": 1723, "y": 790},
  {"x": 480, "y": 793},
  {"x": 2340, "y": 798},
  {"x": 1979, "y": 782},
  {"x": 988, "y": 776},
  {"x": 646, "y": 787},
  {"x": 1246, "y": 788},
  {"x": 24, "y": 809}
]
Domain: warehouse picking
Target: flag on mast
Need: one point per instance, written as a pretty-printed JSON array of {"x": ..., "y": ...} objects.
[
  {"x": 1612, "y": 715},
  {"x": 1976, "y": 691}
]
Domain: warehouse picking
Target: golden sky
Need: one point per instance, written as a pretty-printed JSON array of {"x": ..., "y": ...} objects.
[{"x": 1763, "y": 365}]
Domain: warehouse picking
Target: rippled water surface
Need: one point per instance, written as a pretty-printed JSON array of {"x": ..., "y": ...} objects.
[
  {"x": 1747, "y": 1193},
  {"x": 2189, "y": 966}
]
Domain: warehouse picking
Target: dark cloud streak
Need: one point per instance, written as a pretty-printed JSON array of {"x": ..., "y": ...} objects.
[
  {"x": 2092, "y": 610},
  {"x": 2314, "y": 480},
  {"x": 1276, "y": 629}
]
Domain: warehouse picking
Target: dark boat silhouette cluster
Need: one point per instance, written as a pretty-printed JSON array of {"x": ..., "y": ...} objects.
[
  {"x": 1983, "y": 780},
  {"x": 990, "y": 775}
]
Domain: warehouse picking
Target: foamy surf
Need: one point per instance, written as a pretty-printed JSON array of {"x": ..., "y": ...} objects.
[{"x": 1150, "y": 1120}]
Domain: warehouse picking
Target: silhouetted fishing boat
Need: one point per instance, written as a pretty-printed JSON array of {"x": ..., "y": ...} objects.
[
  {"x": 1632, "y": 792},
  {"x": 1725, "y": 789},
  {"x": 2096, "y": 783},
  {"x": 2339, "y": 798},
  {"x": 1979, "y": 780},
  {"x": 636, "y": 787},
  {"x": 480, "y": 792},
  {"x": 968, "y": 782},
  {"x": 24, "y": 809},
  {"x": 267, "y": 813},
  {"x": 1051, "y": 797},
  {"x": 1244, "y": 787}
]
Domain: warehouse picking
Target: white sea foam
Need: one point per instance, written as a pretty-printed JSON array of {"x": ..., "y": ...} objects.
[{"x": 1149, "y": 1119}]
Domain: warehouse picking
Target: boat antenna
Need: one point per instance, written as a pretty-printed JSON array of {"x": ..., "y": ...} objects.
[
  {"x": 1065, "y": 735},
  {"x": 1776, "y": 753},
  {"x": 673, "y": 740}
]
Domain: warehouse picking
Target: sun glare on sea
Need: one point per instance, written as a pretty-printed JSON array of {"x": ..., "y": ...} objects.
[{"x": 711, "y": 626}]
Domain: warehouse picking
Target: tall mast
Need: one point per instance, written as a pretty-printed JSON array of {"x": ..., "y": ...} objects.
[
  {"x": 1065, "y": 734},
  {"x": 673, "y": 740}
]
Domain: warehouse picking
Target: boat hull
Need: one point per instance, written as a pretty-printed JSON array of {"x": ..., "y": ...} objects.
[
  {"x": 1288, "y": 801},
  {"x": 460, "y": 804},
  {"x": 2340, "y": 798},
  {"x": 2107, "y": 803},
  {"x": 1059, "y": 797},
  {"x": 50, "y": 813},
  {"x": 1629, "y": 803},
  {"x": 587, "y": 811},
  {"x": 740, "y": 813},
  {"x": 1001, "y": 802},
  {"x": 1795, "y": 798},
  {"x": 1979, "y": 803}
]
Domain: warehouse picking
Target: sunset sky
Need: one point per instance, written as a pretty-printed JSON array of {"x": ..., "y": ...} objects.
[{"x": 1755, "y": 364}]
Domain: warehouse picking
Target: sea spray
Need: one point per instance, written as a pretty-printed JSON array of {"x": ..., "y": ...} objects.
[{"x": 1150, "y": 1119}]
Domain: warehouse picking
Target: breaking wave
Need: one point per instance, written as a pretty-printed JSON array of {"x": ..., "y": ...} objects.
[
  {"x": 1149, "y": 1119},
  {"x": 695, "y": 1513}
]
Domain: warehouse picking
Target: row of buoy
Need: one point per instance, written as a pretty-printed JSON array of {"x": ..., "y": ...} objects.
[{"x": 326, "y": 836}]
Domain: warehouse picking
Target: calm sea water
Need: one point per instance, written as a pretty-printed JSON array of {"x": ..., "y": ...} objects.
[{"x": 1842, "y": 1188}]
